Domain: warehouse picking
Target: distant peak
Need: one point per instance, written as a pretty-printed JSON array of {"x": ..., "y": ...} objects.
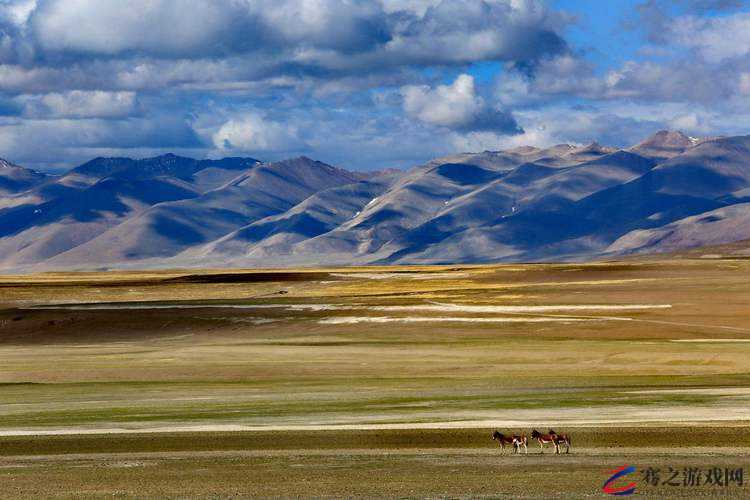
[
  {"x": 524, "y": 150},
  {"x": 672, "y": 133},
  {"x": 592, "y": 148},
  {"x": 167, "y": 157},
  {"x": 671, "y": 137},
  {"x": 296, "y": 160},
  {"x": 666, "y": 144},
  {"x": 300, "y": 161},
  {"x": 599, "y": 148}
]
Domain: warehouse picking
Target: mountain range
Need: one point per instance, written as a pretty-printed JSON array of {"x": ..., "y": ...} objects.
[{"x": 667, "y": 193}]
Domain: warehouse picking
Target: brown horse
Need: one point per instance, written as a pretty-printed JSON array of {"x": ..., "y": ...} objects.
[
  {"x": 545, "y": 439},
  {"x": 514, "y": 440},
  {"x": 561, "y": 439},
  {"x": 522, "y": 440}
]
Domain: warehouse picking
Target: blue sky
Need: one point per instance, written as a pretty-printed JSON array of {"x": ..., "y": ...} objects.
[
  {"x": 362, "y": 84},
  {"x": 600, "y": 30}
]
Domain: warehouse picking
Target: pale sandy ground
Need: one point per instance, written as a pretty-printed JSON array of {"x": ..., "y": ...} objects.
[
  {"x": 713, "y": 391},
  {"x": 409, "y": 276},
  {"x": 440, "y": 307},
  {"x": 434, "y": 307},
  {"x": 699, "y": 341},
  {"x": 351, "y": 320},
  {"x": 738, "y": 414}
]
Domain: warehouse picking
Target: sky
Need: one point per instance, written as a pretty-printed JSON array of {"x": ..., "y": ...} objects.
[{"x": 363, "y": 85}]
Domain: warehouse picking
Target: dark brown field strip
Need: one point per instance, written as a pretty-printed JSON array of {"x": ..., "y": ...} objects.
[
  {"x": 260, "y": 277},
  {"x": 603, "y": 437}
]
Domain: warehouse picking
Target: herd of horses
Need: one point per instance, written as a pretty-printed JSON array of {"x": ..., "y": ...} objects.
[{"x": 517, "y": 441}]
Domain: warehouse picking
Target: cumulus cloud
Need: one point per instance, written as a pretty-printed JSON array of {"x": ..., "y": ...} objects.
[
  {"x": 197, "y": 28},
  {"x": 252, "y": 132},
  {"x": 456, "y": 106},
  {"x": 692, "y": 58},
  {"x": 81, "y": 104},
  {"x": 656, "y": 17},
  {"x": 707, "y": 74},
  {"x": 325, "y": 39},
  {"x": 558, "y": 124},
  {"x": 131, "y": 64},
  {"x": 459, "y": 31},
  {"x": 715, "y": 39},
  {"x": 360, "y": 83},
  {"x": 564, "y": 75},
  {"x": 107, "y": 27}
]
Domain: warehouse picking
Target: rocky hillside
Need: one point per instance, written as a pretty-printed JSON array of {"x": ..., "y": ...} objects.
[{"x": 667, "y": 193}]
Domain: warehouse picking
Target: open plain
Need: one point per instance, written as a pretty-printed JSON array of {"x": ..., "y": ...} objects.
[{"x": 372, "y": 381}]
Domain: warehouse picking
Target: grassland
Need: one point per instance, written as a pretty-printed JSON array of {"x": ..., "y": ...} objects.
[
  {"x": 395, "y": 463},
  {"x": 379, "y": 381}
]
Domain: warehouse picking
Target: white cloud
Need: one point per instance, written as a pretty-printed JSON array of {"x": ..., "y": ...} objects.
[
  {"x": 112, "y": 26},
  {"x": 81, "y": 104},
  {"x": 323, "y": 39},
  {"x": 715, "y": 38},
  {"x": 559, "y": 76},
  {"x": 456, "y": 106},
  {"x": 447, "y": 105},
  {"x": 689, "y": 122},
  {"x": 18, "y": 12},
  {"x": 251, "y": 132},
  {"x": 104, "y": 75},
  {"x": 417, "y": 6},
  {"x": 556, "y": 124},
  {"x": 681, "y": 79}
]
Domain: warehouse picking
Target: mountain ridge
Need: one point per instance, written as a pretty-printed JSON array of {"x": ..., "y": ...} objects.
[{"x": 666, "y": 193}]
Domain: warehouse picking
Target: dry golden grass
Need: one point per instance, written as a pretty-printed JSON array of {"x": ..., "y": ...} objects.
[
  {"x": 281, "y": 366},
  {"x": 212, "y": 368}
]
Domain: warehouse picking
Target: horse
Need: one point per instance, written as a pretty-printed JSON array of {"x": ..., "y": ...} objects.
[
  {"x": 515, "y": 440},
  {"x": 521, "y": 440},
  {"x": 561, "y": 439},
  {"x": 545, "y": 439}
]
